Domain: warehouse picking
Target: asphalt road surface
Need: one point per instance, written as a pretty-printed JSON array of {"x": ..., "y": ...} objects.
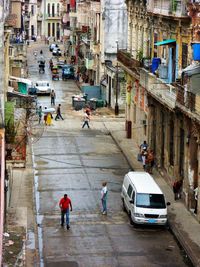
[{"x": 74, "y": 161}]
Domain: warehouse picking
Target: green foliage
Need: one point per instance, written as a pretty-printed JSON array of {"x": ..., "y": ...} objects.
[
  {"x": 174, "y": 5},
  {"x": 139, "y": 55},
  {"x": 10, "y": 131}
]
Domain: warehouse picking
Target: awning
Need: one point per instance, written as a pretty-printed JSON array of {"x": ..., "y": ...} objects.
[
  {"x": 165, "y": 42},
  {"x": 22, "y": 80}
]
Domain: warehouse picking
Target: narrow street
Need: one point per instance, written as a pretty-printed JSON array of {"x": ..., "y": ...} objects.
[{"x": 68, "y": 159}]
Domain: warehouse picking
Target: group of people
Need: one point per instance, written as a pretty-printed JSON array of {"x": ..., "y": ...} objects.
[
  {"x": 65, "y": 205},
  {"x": 146, "y": 156},
  {"x": 48, "y": 115}
]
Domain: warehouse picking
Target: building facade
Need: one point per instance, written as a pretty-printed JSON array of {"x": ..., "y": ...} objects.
[
  {"x": 162, "y": 98},
  {"x": 52, "y": 19}
]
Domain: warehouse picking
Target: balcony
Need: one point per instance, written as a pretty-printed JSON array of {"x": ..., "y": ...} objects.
[
  {"x": 89, "y": 63},
  {"x": 176, "y": 8},
  {"x": 53, "y": 16},
  {"x": 164, "y": 93},
  {"x": 19, "y": 52},
  {"x": 126, "y": 59}
]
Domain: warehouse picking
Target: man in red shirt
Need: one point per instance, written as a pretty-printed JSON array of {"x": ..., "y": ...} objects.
[{"x": 64, "y": 205}]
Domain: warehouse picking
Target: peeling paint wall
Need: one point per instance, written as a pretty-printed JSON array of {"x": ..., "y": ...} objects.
[{"x": 115, "y": 26}]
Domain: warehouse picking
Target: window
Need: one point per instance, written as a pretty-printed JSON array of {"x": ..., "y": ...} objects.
[
  {"x": 134, "y": 113},
  {"x": 151, "y": 201},
  {"x": 32, "y": 30},
  {"x": 48, "y": 10},
  {"x": 53, "y": 10},
  {"x": 49, "y": 29},
  {"x": 32, "y": 10},
  {"x": 133, "y": 197},
  {"x": 53, "y": 29},
  {"x": 155, "y": 41},
  {"x": 58, "y": 31},
  {"x": 58, "y": 10},
  {"x": 130, "y": 190},
  {"x": 113, "y": 83},
  {"x": 184, "y": 55}
]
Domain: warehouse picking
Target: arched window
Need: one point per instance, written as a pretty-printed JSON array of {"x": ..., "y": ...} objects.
[
  {"x": 53, "y": 10},
  {"x": 58, "y": 10},
  {"x": 48, "y": 10}
]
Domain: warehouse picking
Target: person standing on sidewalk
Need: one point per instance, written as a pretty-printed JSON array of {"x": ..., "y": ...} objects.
[
  {"x": 104, "y": 193},
  {"x": 58, "y": 113},
  {"x": 177, "y": 189},
  {"x": 196, "y": 190},
  {"x": 86, "y": 120},
  {"x": 53, "y": 97},
  {"x": 64, "y": 204}
]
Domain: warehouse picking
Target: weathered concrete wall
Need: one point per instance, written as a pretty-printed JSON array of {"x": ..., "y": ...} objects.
[{"x": 115, "y": 25}]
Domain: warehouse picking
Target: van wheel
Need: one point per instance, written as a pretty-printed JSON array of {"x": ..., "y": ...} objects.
[
  {"x": 123, "y": 205},
  {"x": 131, "y": 221}
]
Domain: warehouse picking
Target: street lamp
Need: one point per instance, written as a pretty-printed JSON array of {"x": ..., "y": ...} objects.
[{"x": 117, "y": 87}]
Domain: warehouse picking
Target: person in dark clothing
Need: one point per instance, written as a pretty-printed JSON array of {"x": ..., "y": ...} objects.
[
  {"x": 53, "y": 96},
  {"x": 58, "y": 113},
  {"x": 177, "y": 189}
]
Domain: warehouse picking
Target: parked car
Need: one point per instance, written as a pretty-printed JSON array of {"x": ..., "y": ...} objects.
[
  {"x": 56, "y": 52},
  {"x": 42, "y": 87},
  {"x": 52, "y": 46},
  {"x": 143, "y": 199}
]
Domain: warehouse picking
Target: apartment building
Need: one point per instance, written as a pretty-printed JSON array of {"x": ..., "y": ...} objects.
[{"x": 162, "y": 103}]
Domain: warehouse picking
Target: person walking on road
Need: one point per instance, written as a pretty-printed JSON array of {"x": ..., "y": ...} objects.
[
  {"x": 104, "y": 192},
  {"x": 64, "y": 204},
  {"x": 86, "y": 120},
  {"x": 53, "y": 96},
  {"x": 40, "y": 114},
  {"x": 58, "y": 113}
]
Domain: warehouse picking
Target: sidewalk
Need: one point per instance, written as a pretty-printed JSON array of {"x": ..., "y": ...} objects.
[
  {"x": 182, "y": 223},
  {"x": 21, "y": 248}
]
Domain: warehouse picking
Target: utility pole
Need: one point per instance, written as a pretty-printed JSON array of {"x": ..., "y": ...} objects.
[{"x": 117, "y": 86}]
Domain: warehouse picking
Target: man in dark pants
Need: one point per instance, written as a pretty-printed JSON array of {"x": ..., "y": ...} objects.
[
  {"x": 53, "y": 96},
  {"x": 64, "y": 205},
  {"x": 58, "y": 113}
]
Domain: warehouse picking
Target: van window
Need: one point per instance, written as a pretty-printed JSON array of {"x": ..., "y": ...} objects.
[
  {"x": 153, "y": 201},
  {"x": 130, "y": 190},
  {"x": 133, "y": 197}
]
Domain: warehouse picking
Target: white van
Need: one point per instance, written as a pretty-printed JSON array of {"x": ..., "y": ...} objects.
[{"x": 143, "y": 199}]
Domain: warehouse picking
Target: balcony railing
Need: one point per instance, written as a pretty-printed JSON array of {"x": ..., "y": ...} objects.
[
  {"x": 167, "y": 7},
  {"x": 89, "y": 63},
  {"x": 126, "y": 59},
  {"x": 164, "y": 93},
  {"x": 185, "y": 98},
  {"x": 54, "y": 16}
]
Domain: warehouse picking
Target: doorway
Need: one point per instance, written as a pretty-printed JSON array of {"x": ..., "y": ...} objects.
[{"x": 181, "y": 153}]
